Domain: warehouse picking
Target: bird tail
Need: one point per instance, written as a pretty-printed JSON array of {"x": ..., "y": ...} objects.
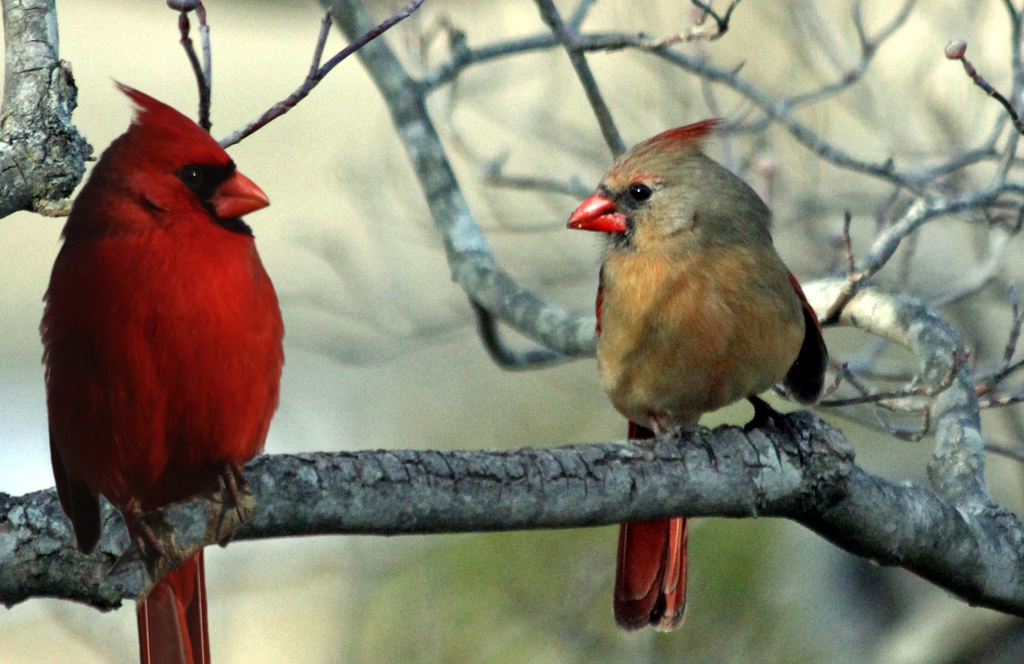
[
  {"x": 172, "y": 621},
  {"x": 650, "y": 574}
]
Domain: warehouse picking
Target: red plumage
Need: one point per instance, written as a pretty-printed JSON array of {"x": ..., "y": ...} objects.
[
  {"x": 163, "y": 342},
  {"x": 691, "y": 134}
]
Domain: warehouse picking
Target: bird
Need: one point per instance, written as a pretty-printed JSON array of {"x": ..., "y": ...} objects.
[
  {"x": 162, "y": 340},
  {"x": 695, "y": 311}
]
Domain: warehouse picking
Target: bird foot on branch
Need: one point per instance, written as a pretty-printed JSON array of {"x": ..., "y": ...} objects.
[
  {"x": 767, "y": 417},
  {"x": 764, "y": 415},
  {"x": 152, "y": 541},
  {"x": 167, "y": 537},
  {"x": 229, "y": 481}
]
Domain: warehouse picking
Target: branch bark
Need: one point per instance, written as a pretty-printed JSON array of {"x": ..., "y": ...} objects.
[
  {"x": 42, "y": 155},
  {"x": 801, "y": 470}
]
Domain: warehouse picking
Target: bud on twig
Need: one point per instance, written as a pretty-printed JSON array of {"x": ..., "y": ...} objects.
[
  {"x": 956, "y": 49},
  {"x": 183, "y": 5}
]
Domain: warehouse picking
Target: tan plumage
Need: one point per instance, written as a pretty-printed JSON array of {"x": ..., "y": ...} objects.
[
  {"x": 695, "y": 311},
  {"x": 687, "y": 335}
]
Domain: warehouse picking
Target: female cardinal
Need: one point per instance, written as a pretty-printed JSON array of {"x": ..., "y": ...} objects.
[
  {"x": 695, "y": 310},
  {"x": 162, "y": 338}
]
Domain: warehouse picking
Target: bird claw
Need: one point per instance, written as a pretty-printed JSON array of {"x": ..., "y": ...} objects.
[
  {"x": 232, "y": 482},
  {"x": 764, "y": 415},
  {"x": 146, "y": 545},
  {"x": 145, "y": 540},
  {"x": 712, "y": 455}
]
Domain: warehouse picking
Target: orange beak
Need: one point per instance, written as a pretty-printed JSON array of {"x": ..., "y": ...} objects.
[
  {"x": 597, "y": 213},
  {"x": 236, "y": 196}
]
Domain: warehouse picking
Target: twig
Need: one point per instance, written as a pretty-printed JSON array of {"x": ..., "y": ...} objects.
[
  {"x": 721, "y": 20},
  {"x": 914, "y": 435},
  {"x": 1015, "y": 452},
  {"x": 960, "y": 359},
  {"x": 565, "y": 35},
  {"x": 987, "y": 384},
  {"x": 494, "y": 176},
  {"x": 956, "y": 50},
  {"x": 847, "y": 246},
  {"x": 1018, "y": 320},
  {"x": 1000, "y": 400},
  {"x": 504, "y": 356},
  {"x": 201, "y": 74},
  {"x": 580, "y": 13},
  {"x": 854, "y": 278},
  {"x": 204, "y": 37},
  {"x": 317, "y": 72},
  {"x": 321, "y": 42}
]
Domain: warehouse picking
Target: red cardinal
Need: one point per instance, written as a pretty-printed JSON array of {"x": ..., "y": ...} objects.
[
  {"x": 695, "y": 310},
  {"x": 162, "y": 338}
]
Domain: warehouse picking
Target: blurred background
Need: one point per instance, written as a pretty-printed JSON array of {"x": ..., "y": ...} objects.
[{"x": 381, "y": 346}]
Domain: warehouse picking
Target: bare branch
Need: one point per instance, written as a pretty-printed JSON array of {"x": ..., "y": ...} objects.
[
  {"x": 317, "y": 74},
  {"x": 502, "y": 354},
  {"x": 550, "y": 14},
  {"x": 957, "y": 466},
  {"x": 469, "y": 257},
  {"x": 42, "y": 155},
  {"x": 202, "y": 82},
  {"x": 580, "y": 13},
  {"x": 1015, "y": 452},
  {"x": 722, "y": 20},
  {"x": 955, "y": 50},
  {"x": 803, "y": 472},
  {"x": 870, "y": 396},
  {"x": 987, "y": 384},
  {"x": 495, "y": 176}
]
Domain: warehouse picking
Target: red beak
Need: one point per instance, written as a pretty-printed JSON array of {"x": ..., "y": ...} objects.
[
  {"x": 597, "y": 213},
  {"x": 236, "y": 196}
]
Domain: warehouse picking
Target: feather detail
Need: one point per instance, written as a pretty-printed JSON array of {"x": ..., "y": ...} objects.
[
  {"x": 806, "y": 378},
  {"x": 690, "y": 135},
  {"x": 695, "y": 310},
  {"x": 162, "y": 340},
  {"x": 650, "y": 570}
]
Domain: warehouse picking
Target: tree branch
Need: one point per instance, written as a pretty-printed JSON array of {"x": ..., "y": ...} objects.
[
  {"x": 42, "y": 155},
  {"x": 566, "y": 36},
  {"x": 804, "y": 472},
  {"x": 952, "y": 535},
  {"x": 469, "y": 257}
]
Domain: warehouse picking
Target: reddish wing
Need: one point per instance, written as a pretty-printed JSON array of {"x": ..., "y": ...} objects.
[{"x": 806, "y": 377}]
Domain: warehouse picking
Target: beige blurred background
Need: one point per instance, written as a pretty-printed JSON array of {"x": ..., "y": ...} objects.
[{"x": 381, "y": 350}]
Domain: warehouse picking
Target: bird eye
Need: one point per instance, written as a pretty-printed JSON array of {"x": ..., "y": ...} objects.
[
  {"x": 192, "y": 176},
  {"x": 640, "y": 192}
]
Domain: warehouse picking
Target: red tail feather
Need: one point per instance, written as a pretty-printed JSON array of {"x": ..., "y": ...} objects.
[
  {"x": 172, "y": 621},
  {"x": 650, "y": 574}
]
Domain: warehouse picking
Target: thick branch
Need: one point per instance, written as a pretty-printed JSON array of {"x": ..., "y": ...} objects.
[
  {"x": 804, "y": 472},
  {"x": 42, "y": 155},
  {"x": 958, "y": 463}
]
